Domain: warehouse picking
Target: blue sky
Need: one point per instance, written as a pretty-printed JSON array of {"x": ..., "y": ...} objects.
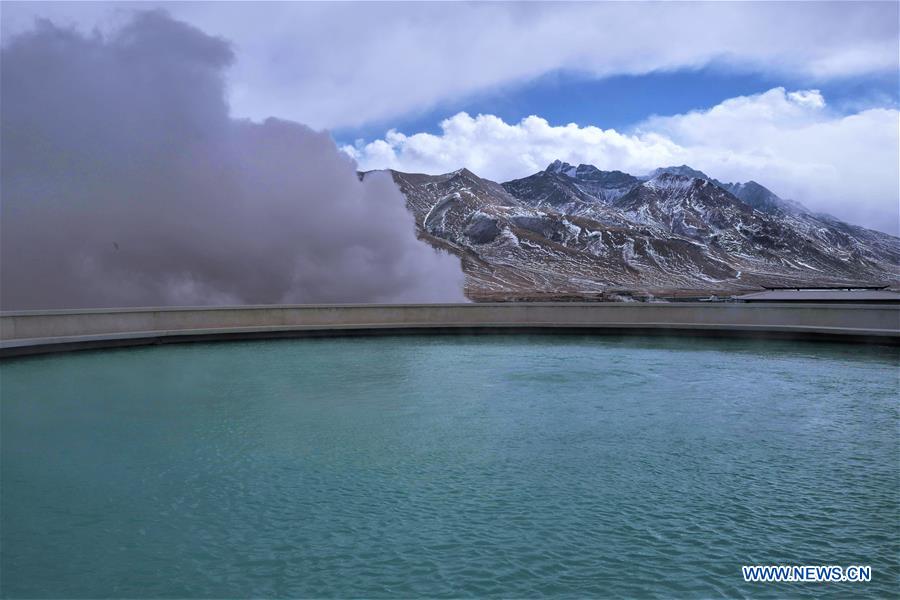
[{"x": 619, "y": 102}]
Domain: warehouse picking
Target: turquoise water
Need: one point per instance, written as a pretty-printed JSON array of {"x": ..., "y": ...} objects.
[{"x": 448, "y": 466}]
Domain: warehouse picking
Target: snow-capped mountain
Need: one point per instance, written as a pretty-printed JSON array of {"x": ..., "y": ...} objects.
[
  {"x": 684, "y": 170},
  {"x": 571, "y": 230},
  {"x": 763, "y": 199},
  {"x": 571, "y": 189}
]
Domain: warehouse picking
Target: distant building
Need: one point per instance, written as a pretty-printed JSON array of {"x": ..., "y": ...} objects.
[{"x": 847, "y": 295}]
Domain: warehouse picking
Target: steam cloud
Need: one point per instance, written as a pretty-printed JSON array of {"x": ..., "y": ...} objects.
[{"x": 125, "y": 182}]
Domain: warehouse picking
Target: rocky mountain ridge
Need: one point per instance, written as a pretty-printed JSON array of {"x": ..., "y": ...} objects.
[{"x": 579, "y": 231}]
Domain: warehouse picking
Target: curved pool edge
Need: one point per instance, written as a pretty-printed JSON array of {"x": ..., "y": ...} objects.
[{"x": 39, "y": 332}]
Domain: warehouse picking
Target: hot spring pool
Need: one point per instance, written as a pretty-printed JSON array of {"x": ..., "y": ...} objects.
[{"x": 448, "y": 466}]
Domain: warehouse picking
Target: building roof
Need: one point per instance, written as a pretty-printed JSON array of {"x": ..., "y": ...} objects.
[{"x": 823, "y": 295}]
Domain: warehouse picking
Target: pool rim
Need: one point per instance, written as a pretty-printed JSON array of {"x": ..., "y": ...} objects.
[{"x": 80, "y": 329}]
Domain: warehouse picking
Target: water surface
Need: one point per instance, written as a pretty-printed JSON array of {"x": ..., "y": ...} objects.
[{"x": 448, "y": 466}]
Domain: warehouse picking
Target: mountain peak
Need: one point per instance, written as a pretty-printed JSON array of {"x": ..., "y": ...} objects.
[
  {"x": 563, "y": 168},
  {"x": 670, "y": 180},
  {"x": 680, "y": 170},
  {"x": 763, "y": 199}
]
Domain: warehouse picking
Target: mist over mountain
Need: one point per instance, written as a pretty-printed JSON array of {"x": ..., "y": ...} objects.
[{"x": 126, "y": 182}]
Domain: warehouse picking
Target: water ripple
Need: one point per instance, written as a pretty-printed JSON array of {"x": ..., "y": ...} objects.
[{"x": 448, "y": 467}]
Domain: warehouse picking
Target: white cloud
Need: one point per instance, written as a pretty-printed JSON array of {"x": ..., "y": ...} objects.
[
  {"x": 847, "y": 165},
  {"x": 345, "y": 64},
  {"x": 811, "y": 98},
  {"x": 500, "y": 151}
]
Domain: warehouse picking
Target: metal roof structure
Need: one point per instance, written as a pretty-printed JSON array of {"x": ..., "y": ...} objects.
[{"x": 812, "y": 295}]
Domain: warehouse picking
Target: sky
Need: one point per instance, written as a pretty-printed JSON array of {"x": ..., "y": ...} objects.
[{"x": 801, "y": 97}]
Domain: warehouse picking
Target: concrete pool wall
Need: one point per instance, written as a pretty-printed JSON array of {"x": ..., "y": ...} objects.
[{"x": 34, "y": 332}]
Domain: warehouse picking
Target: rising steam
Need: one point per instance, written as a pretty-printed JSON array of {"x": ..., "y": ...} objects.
[{"x": 125, "y": 182}]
